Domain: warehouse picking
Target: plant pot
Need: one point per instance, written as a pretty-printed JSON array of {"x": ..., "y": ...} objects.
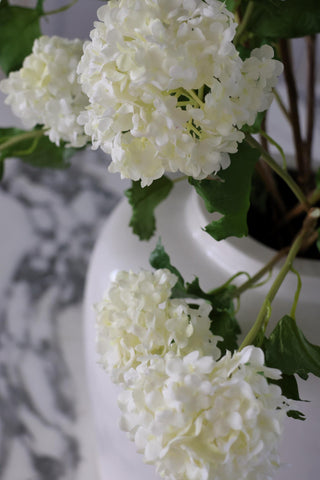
[{"x": 194, "y": 252}]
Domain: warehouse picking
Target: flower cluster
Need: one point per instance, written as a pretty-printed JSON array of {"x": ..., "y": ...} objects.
[
  {"x": 193, "y": 415},
  {"x": 46, "y": 91},
  {"x": 138, "y": 319},
  {"x": 167, "y": 88}
]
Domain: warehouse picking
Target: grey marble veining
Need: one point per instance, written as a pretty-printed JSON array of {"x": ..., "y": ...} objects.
[{"x": 49, "y": 221}]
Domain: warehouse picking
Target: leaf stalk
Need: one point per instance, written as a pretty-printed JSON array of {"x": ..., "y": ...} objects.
[
  {"x": 265, "y": 311},
  {"x": 20, "y": 138},
  {"x": 280, "y": 171}
]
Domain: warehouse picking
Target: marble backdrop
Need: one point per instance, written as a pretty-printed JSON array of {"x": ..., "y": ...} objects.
[{"x": 49, "y": 221}]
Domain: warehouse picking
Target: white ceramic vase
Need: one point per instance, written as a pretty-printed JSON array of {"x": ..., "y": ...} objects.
[{"x": 194, "y": 252}]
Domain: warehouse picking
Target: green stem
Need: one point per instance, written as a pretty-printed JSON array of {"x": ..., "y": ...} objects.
[
  {"x": 227, "y": 283},
  {"x": 264, "y": 314},
  {"x": 276, "y": 168},
  {"x": 244, "y": 23},
  {"x": 201, "y": 92},
  {"x": 315, "y": 197},
  {"x": 20, "y": 138},
  {"x": 61, "y": 9},
  {"x": 282, "y": 105},
  {"x": 195, "y": 98},
  {"x": 253, "y": 280},
  {"x": 278, "y": 147},
  {"x": 297, "y": 294}
]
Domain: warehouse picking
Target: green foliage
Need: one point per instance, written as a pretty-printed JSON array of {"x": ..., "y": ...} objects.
[
  {"x": 318, "y": 179},
  {"x": 231, "y": 4},
  {"x": 256, "y": 127},
  {"x": 230, "y": 196},
  {"x": 296, "y": 414},
  {"x": 19, "y": 27},
  {"x": 259, "y": 194},
  {"x": 160, "y": 259},
  {"x": 222, "y": 315},
  {"x": 289, "y": 350},
  {"x": 289, "y": 387},
  {"x": 223, "y": 321},
  {"x": 38, "y": 151},
  {"x": 225, "y": 325},
  {"x": 143, "y": 202},
  {"x": 276, "y": 19},
  {"x": 39, "y": 6}
]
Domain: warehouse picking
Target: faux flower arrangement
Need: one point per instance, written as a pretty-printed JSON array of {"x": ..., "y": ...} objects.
[{"x": 183, "y": 86}]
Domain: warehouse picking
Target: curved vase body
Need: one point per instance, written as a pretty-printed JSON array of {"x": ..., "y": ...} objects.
[{"x": 194, "y": 252}]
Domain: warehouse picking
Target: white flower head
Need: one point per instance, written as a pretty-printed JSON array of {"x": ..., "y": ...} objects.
[
  {"x": 167, "y": 88},
  {"x": 195, "y": 418},
  {"x": 137, "y": 319},
  {"x": 46, "y": 91}
]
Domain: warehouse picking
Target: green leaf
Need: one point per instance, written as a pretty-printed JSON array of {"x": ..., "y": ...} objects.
[
  {"x": 19, "y": 27},
  {"x": 143, "y": 202},
  {"x": 296, "y": 414},
  {"x": 289, "y": 350},
  {"x": 221, "y": 297},
  {"x": 1, "y": 169},
  {"x": 255, "y": 128},
  {"x": 39, "y": 6},
  {"x": 231, "y": 196},
  {"x": 38, "y": 152},
  {"x": 318, "y": 241},
  {"x": 288, "y": 385},
  {"x": 160, "y": 259},
  {"x": 223, "y": 321},
  {"x": 318, "y": 179},
  {"x": 285, "y": 19},
  {"x": 226, "y": 326},
  {"x": 231, "y": 4}
]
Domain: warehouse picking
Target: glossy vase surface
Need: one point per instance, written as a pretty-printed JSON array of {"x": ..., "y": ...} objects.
[{"x": 179, "y": 224}]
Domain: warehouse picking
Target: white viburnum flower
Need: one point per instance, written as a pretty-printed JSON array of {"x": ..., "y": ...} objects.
[
  {"x": 137, "y": 319},
  {"x": 195, "y": 418},
  {"x": 46, "y": 91},
  {"x": 167, "y": 88}
]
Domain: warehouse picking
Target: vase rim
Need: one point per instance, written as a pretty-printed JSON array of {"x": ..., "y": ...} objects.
[{"x": 258, "y": 253}]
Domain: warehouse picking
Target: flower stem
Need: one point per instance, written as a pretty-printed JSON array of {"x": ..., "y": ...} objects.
[
  {"x": 297, "y": 294},
  {"x": 269, "y": 266},
  {"x": 195, "y": 98},
  {"x": 21, "y": 138},
  {"x": 281, "y": 105},
  {"x": 201, "y": 92},
  {"x": 265, "y": 311},
  {"x": 282, "y": 173},
  {"x": 313, "y": 198},
  {"x": 61, "y": 9},
  {"x": 244, "y": 23}
]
